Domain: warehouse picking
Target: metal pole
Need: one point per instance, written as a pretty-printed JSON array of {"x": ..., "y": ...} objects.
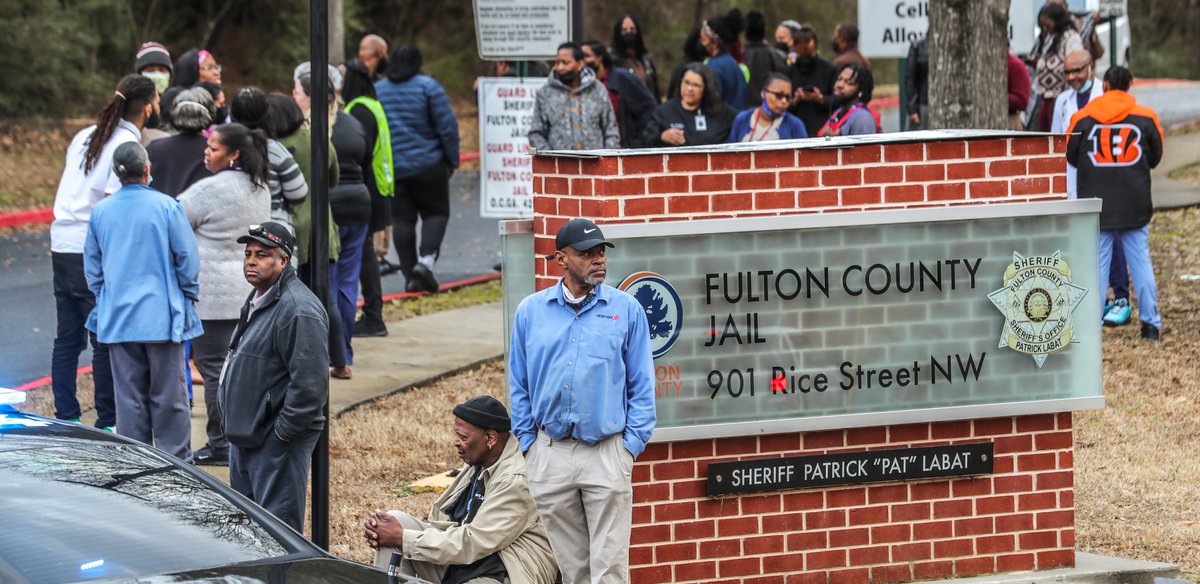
[
  {"x": 1112, "y": 40},
  {"x": 318, "y": 192},
  {"x": 903, "y": 97},
  {"x": 578, "y": 20}
]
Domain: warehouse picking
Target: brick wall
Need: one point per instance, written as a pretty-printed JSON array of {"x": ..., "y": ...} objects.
[
  {"x": 1021, "y": 517},
  {"x": 636, "y": 187}
]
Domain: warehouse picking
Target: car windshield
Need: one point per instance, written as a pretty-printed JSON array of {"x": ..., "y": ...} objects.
[{"x": 76, "y": 510}]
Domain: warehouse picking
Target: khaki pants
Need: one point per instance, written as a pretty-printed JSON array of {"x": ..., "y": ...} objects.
[
  {"x": 424, "y": 570},
  {"x": 584, "y": 495}
]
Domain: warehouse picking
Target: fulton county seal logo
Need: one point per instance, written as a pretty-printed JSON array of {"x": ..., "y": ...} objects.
[
  {"x": 1037, "y": 302},
  {"x": 664, "y": 311}
]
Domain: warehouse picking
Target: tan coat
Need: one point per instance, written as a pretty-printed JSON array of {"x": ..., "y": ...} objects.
[{"x": 507, "y": 521}]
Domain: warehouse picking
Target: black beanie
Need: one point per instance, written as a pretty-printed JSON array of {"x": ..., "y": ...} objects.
[
  {"x": 152, "y": 54},
  {"x": 484, "y": 412}
]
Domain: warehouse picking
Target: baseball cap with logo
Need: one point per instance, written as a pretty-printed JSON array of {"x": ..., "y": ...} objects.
[
  {"x": 271, "y": 234},
  {"x": 580, "y": 234}
]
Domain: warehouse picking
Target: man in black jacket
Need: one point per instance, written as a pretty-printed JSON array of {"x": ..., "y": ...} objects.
[
  {"x": 276, "y": 379},
  {"x": 1114, "y": 144},
  {"x": 812, "y": 82}
]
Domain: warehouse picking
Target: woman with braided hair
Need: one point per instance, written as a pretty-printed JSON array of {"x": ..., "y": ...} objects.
[{"x": 87, "y": 178}]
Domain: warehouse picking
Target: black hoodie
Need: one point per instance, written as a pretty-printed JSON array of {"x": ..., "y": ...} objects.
[{"x": 187, "y": 69}]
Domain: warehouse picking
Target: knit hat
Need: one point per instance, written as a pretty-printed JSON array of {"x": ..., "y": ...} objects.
[
  {"x": 484, "y": 412},
  {"x": 150, "y": 54}
]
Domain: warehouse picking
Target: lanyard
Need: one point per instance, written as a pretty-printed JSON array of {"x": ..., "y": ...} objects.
[
  {"x": 471, "y": 497},
  {"x": 754, "y": 128}
]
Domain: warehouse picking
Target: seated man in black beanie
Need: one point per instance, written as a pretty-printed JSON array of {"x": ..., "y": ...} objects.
[{"x": 484, "y": 528}]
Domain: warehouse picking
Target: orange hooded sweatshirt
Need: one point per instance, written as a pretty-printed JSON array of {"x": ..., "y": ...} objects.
[{"x": 1114, "y": 143}]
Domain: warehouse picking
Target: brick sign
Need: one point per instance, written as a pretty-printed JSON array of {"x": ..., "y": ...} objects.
[{"x": 850, "y": 468}]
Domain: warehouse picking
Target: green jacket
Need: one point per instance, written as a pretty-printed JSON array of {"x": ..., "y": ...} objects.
[
  {"x": 381, "y": 157},
  {"x": 300, "y": 145}
]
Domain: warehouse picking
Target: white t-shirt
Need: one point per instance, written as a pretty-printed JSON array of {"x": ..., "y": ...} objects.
[{"x": 78, "y": 192}]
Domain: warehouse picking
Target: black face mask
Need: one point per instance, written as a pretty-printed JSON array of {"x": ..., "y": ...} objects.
[
  {"x": 222, "y": 115},
  {"x": 630, "y": 39},
  {"x": 836, "y": 49},
  {"x": 806, "y": 62},
  {"x": 568, "y": 77},
  {"x": 783, "y": 47},
  {"x": 594, "y": 67}
]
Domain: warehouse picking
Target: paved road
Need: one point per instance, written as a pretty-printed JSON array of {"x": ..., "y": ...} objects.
[{"x": 27, "y": 317}]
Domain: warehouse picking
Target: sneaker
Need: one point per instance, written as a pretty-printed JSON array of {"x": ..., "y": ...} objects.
[
  {"x": 1118, "y": 314},
  {"x": 209, "y": 456},
  {"x": 370, "y": 329},
  {"x": 1149, "y": 332},
  {"x": 110, "y": 429},
  {"x": 386, "y": 267},
  {"x": 423, "y": 276}
]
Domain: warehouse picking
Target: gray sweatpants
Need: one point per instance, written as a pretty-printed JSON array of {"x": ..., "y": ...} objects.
[
  {"x": 209, "y": 352},
  {"x": 151, "y": 395},
  {"x": 584, "y": 495}
]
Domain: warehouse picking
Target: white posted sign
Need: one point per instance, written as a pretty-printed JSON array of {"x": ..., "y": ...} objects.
[
  {"x": 887, "y": 27},
  {"x": 516, "y": 30},
  {"x": 505, "y": 166}
]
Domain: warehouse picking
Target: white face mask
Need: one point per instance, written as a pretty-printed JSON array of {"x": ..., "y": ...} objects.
[{"x": 161, "y": 80}]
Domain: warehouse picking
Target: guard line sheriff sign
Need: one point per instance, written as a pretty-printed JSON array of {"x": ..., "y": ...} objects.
[{"x": 505, "y": 166}]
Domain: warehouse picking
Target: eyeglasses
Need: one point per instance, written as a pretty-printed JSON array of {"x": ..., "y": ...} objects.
[
  {"x": 212, "y": 67},
  {"x": 1077, "y": 70},
  {"x": 780, "y": 95}
]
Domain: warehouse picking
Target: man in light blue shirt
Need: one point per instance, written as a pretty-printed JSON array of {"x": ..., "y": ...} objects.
[
  {"x": 141, "y": 262},
  {"x": 581, "y": 389}
]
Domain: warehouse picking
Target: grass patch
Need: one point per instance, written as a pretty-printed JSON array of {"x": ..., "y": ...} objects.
[
  {"x": 482, "y": 293},
  {"x": 1189, "y": 173}
]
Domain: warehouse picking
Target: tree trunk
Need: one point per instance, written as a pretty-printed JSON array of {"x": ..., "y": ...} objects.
[
  {"x": 968, "y": 43},
  {"x": 337, "y": 32}
]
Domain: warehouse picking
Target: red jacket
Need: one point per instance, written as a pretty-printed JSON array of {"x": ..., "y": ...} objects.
[
  {"x": 1114, "y": 144},
  {"x": 1018, "y": 85}
]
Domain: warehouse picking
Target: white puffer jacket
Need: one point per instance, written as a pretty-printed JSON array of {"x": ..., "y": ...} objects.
[{"x": 220, "y": 209}]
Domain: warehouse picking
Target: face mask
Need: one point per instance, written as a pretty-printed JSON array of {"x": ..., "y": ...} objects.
[
  {"x": 833, "y": 43},
  {"x": 161, "y": 80},
  {"x": 783, "y": 47},
  {"x": 568, "y": 77},
  {"x": 766, "y": 110},
  {"x": 595, "y": 67},
  {"x": 630, "y": 39},
  {"x": 806, "y": 61},
  {"x": 1086, "y": 87},
  {"x": 222, "y": 115}
]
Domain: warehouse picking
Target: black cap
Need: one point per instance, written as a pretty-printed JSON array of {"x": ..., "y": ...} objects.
[
  {"x": 271, "y": 234},
  {"x": 484, "y": 412},
  {"x": 580, "y": 234}
]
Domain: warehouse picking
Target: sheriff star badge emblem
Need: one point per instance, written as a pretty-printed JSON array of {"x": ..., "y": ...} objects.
[{"x": 1037, "y": 301}]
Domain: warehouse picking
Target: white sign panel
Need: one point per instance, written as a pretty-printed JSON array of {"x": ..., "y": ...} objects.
[
  {"x": 888, "y": 27},
  {"x": 514, "y": 30},
  {"x": 1114, "y": 7},
  {"x": 505, "y": 166}
]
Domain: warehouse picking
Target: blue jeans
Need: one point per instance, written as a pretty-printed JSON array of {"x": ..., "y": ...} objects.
[
  {"x": 1136, "y": 245},
  {"x": 345, "y": 290},
  {"x": 74, "y": 302},
  {"x": 1118, "y": 274}
]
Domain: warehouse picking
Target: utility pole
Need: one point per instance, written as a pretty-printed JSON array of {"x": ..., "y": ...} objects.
[
  {"x": 337, "y": 31},
  {"x": 318, "y": 192}
]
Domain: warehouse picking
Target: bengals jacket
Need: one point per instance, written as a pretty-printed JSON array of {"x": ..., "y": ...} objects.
[{"x": 1114, "y": 144}]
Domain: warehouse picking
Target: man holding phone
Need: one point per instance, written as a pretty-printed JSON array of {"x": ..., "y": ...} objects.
[{"x": 812, "y": 80}]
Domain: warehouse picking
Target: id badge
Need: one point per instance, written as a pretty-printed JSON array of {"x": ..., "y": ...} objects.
[{"x": 701, "y": 124}]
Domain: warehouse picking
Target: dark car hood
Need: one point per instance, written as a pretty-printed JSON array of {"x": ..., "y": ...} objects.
[{"x": 302, "y": 571}]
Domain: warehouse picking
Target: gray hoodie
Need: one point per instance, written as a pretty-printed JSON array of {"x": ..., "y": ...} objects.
[{"x": 574, "y": 119}]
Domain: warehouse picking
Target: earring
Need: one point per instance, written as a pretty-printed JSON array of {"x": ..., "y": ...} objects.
[{"x": 230, "y": 164}]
